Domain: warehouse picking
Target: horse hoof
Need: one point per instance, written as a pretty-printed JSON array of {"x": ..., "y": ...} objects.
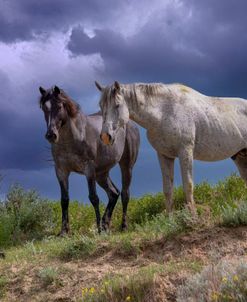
[
  {"x": 105, "y": 227},
  {"x": 100, "y": 229},
  {"x": 63, "y": 233},
  {"x": 124, "y": 227}
]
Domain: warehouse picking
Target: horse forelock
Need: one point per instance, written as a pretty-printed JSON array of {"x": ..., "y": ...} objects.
[
  {"x": 71, "y": 106},
  {"x": 106, "y": 95}
]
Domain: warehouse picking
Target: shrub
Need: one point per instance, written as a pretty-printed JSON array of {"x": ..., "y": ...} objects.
[
  {"x": 48, "y": 276},
  {"x": 224, "y": 282},
  {"x": 234, "y": 216},
  {"x": 24, "y": 216},
  {"x": 166, "y": 225}
]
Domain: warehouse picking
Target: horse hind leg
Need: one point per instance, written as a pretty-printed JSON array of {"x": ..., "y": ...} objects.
[{"x": 240, "y": 160}]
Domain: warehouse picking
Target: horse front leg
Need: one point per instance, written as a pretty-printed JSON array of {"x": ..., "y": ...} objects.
[
  {"x": 105, "y": 182},
  {"x": 63, "y": 179},
  {"x": 186, "y": 165},
  {"x": 167, "y": 170},
  {"x": 93, "y": 197}
]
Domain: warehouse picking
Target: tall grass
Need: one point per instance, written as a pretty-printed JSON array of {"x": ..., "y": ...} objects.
[{"x": 120, "y": 288}]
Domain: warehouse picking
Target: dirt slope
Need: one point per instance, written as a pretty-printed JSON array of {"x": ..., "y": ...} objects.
[{"x": 180, "y": 256}]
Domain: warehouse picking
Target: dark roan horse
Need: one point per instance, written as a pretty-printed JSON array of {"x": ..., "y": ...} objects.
[{"x": 76, "y": 147}]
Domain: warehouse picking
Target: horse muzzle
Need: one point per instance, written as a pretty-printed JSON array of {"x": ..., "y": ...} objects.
[
  {"x": 106, "y": 138},
  {"x": 51, "y": 136}
]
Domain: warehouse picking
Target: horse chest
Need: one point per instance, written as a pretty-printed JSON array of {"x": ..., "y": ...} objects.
[
  {"x": 71, "y": 160},
  {"x": 166, "y": 145}
]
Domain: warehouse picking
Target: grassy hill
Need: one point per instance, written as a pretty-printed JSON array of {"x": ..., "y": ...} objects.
[{"x": 159, "y": 258}]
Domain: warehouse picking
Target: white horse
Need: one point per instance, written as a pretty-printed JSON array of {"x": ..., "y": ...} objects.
[{"x": 180, "y": 122}]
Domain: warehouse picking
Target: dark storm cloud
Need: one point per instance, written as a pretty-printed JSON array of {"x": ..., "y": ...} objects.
[
  {"x": 24, "y": 20},
  {"x": 12, "y": 31},
  {"x": 206, "y": 49}
]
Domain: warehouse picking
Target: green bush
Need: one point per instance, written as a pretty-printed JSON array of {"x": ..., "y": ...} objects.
[
  {"x": 234, "y": 216},
  {"x": 24, "y": 216}
]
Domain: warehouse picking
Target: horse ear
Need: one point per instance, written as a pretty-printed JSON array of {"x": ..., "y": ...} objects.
[
  {"x": 117, "y": 85},
  {"x": 56, "y": 90},
  {"x": 101, "y": 88},
  {"x": 42, "y": 90}
]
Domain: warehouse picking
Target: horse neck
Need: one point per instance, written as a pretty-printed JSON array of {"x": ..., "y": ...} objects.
[
  {"x": 144, "y": 110},
  {"x": 74, "y": 128}
]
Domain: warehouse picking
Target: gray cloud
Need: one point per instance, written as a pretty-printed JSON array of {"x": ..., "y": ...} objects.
[
  {"x": 206, "y": 49},
  {"x": 25, "y": 20}
]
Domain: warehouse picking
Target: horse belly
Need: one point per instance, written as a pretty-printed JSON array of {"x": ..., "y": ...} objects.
[{"x": 218, "y": 148}]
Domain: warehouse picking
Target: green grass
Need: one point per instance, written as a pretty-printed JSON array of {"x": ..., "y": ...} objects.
[
  {"x": 27, "y": 219},
  {"x": 127, "y": 244},
  {"x": 25, "y": 216},
  {"x": 3, "y": 284}
]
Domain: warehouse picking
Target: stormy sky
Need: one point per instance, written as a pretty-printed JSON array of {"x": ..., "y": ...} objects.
[{"x": 72, "y": 43}]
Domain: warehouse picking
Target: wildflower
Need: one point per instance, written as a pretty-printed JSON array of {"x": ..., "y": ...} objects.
[
  {"x": 84, "y": 291},
  {"x": 128, "y": 298},
  {"x": 235, "y": 278},
  {"x": 92, "y": 290},
  {"x": 214, "y": 297},
  {"x": 224, "y": 279},
  {"x": 106, "y": 283}
]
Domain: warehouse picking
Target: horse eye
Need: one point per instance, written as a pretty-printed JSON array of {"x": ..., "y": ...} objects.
[{"x": 117, "y": 106}]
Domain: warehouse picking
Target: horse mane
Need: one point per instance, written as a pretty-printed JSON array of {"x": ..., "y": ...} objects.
[
  {"x": 71, "y": 106},
  {"x": 151, "y": 89}
]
